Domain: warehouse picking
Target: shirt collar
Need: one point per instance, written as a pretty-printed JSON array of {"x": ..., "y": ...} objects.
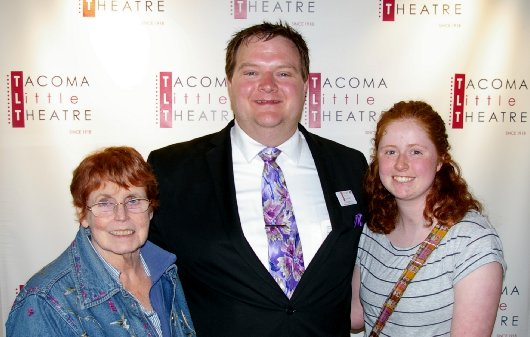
[{"x": 291, "y": 148}]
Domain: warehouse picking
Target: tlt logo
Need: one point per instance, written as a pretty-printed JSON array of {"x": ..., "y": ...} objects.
[
  {"x": 17, "y": 99},
  {"x": 457, "y": 116},
  {"x": 314, "y": 99},
  {"x": 166, "y": 93}
]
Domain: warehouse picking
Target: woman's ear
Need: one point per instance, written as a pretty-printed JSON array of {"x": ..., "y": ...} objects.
[{"x": 83, "y": 221}]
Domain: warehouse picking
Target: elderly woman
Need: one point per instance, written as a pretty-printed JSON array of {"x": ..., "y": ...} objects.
[{"x": 110, "y": 281}]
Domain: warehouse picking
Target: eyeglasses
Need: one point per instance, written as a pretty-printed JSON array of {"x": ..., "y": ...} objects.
[{"x": 108, "y": 208}]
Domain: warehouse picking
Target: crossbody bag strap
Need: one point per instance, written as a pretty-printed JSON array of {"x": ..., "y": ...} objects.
[{"x": 418, "y": 260}]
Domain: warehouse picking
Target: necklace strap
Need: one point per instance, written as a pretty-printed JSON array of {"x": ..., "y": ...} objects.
[{"x": 418, "y": 260}]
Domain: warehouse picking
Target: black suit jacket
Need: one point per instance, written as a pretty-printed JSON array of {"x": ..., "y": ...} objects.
[{"x": 229, "y": 291}]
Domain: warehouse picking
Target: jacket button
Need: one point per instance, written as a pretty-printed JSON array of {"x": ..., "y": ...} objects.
[{"x": 290, "y": 310}]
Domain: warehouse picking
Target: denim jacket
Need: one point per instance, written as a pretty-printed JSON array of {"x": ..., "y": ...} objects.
[{"x": 76, "y": 296}]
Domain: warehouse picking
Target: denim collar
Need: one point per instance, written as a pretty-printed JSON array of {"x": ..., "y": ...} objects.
[{"x": 92, "y": 279}]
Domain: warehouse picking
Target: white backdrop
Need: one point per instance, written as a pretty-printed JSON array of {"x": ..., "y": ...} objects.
[{"x": 79, "y": 75}]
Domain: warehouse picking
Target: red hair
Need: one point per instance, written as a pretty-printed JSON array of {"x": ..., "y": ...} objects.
[
  {"x": 121, "y": 165},
  {"x": 449, "y": 198}
]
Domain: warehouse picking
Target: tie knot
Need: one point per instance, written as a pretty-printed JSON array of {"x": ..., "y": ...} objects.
[{"x": 269, "y": 154}]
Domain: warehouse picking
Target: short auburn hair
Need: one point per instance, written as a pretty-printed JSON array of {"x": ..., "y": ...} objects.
[
  {"x": 121, "y": 165},
  {"x": 265, "y": 32}
]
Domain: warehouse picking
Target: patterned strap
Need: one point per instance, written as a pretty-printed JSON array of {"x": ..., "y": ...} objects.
[{"x": 417, "y": 261}]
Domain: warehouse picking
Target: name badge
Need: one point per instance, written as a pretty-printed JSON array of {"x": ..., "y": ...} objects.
[{"x": 346, "y": 198}]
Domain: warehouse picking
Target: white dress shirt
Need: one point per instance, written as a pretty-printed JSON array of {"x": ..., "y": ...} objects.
[{"x": 303, "y": 183}]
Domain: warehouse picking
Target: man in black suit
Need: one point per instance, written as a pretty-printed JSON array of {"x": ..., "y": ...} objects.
[{"x": 211, "y": 213}]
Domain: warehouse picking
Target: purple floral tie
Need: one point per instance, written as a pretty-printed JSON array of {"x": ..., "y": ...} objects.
[{"x": 286, "y": 261}]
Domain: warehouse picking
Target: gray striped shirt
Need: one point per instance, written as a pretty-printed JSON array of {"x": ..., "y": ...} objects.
[{"x": 426, "y": 307}]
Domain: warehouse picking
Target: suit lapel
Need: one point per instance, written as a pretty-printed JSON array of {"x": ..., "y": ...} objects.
[
  {"x": 322, "y": 161},
  {"x": 219, "y": 159}
]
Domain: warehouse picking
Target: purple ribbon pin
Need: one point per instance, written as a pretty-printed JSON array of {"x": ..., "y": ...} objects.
[{"x": 358, "y": 220}]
